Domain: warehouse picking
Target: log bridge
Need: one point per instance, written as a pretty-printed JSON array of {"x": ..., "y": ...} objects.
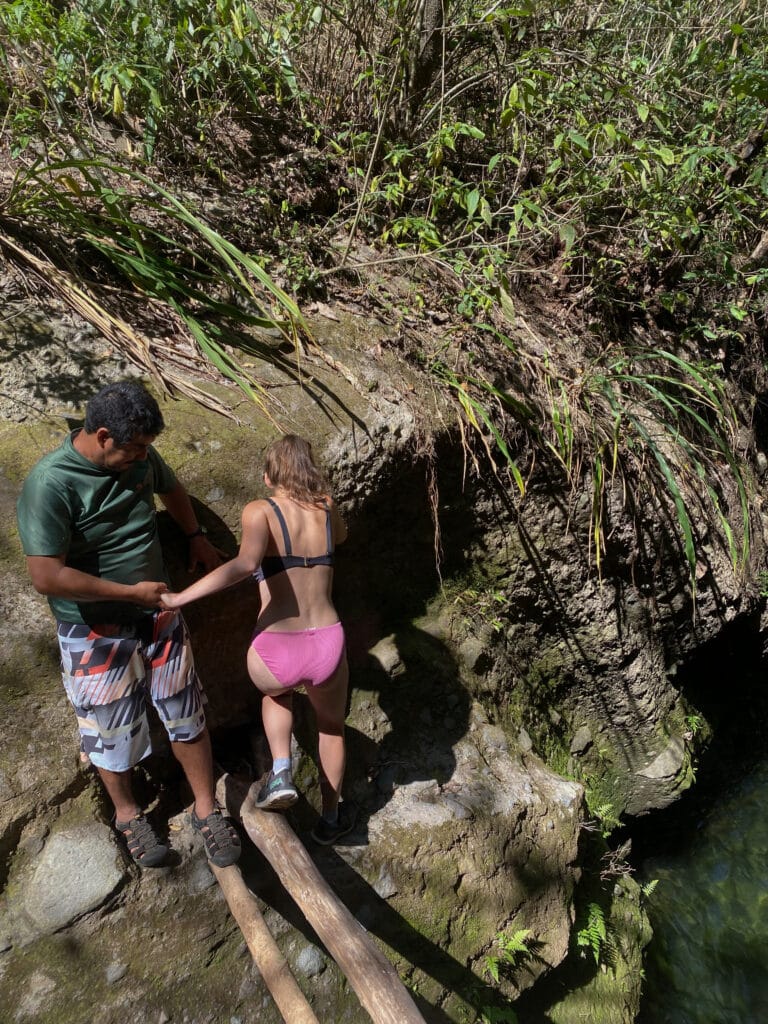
[{"x": 371, "y": 975}]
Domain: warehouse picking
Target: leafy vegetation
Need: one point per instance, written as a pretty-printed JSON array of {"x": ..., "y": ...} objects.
[
  {"x": 611, "y": 155},
  {"x": 498, "y": 1015},
  {"x": 604, "y": 814},
  {"x": 513, "y": 950},
  {"x": 173, "y": 66},
  {"x": 649, "y": 888},
  {"x": 483, "y": 607},
  {"x": 592, "y": 936}
]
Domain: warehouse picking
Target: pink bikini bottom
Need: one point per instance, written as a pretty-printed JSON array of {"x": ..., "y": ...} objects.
[{"x": 309, "y": 656}]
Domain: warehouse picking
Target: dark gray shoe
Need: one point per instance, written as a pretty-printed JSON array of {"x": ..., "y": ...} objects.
[
  {"x": 328, "y": 834},
  {"x": 278, "y": 792},
  {"x": 142, "y": 842},
  {"x": 222, "y": 843}
]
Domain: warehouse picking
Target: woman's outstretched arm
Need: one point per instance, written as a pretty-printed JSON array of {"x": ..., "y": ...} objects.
[{"x": 255, "y": 534}]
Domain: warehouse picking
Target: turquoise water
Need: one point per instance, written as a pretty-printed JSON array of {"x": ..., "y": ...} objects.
[{"x": 708, "y": 961}]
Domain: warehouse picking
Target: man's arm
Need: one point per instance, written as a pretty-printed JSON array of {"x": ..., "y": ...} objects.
[
  {"x": 53, "y": 578},
  {"x": 201, "y": 551}
]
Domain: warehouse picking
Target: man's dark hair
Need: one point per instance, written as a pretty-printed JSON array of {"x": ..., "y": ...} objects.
[{"x": 126, "y": 409}]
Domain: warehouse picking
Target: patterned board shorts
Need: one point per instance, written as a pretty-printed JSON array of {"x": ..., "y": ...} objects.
[{"x": 109, "y": 673}]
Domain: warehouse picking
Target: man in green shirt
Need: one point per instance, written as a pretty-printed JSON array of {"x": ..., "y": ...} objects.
[{"x": 87, "y": 523}]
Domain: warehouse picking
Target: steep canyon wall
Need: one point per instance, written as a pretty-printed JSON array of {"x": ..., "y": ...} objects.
[{"x": 470, "y": 685}]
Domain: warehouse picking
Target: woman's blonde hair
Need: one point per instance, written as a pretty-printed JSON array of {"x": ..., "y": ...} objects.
[{"x": 288, "y": 462}]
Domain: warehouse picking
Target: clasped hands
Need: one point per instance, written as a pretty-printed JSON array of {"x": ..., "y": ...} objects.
[{"x": 155, "y": 594}]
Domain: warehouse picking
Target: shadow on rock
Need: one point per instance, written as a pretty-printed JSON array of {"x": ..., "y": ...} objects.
[
  {"x": 220, "y": 625},
  {"x": 419, "y": 710}
]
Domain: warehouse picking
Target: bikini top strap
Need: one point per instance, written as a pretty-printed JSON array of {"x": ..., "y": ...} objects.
[{"x": 283, "y": 526}]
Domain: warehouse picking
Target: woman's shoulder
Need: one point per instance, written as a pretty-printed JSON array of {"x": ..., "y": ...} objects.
[{"x": 255, "y": 510}]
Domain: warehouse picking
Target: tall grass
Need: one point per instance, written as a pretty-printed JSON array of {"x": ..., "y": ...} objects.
[{"x": 631, "y": 415}]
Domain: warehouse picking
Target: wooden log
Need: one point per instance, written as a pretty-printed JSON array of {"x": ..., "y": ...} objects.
[
  {"x": 371, "y": 975},
  {"x": 274, "y": 969}
]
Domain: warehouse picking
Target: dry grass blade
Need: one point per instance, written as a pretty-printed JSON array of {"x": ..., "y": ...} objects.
[
  {"x": 113, "y": 328},
  {"x": 128, "y": 341}
]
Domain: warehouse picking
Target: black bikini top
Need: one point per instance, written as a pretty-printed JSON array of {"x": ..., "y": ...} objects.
[{"x": 273, "y": 564}]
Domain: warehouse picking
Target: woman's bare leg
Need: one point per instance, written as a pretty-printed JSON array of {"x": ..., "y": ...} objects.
[
  {"x": 276, "y": 707},
  {"x": 329, "y": 701}
]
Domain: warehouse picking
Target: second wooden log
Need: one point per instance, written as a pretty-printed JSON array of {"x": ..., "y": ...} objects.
[{"x": 371, "y": 975}]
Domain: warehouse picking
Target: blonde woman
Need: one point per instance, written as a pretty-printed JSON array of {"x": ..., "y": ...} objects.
[{"x": 287, "y": 545}]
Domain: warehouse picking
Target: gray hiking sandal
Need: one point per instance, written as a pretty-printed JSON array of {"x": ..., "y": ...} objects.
[
  {"x": 142, "y": 842},
  {"x": 222, "y": 843}
]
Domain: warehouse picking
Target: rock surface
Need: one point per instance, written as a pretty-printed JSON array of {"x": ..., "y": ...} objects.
[
  {"x": 463, "y": 687},
  {"x": 77, "y": 872}
]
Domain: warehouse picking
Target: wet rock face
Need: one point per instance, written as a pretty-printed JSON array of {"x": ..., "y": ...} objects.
[{"x": 592, "y": 670}]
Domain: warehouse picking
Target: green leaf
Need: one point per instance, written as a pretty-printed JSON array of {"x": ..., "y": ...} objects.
[
  {"x": 567, "y": 233},
  {"x": 507, "y": 305},
  {"x": 471, "y": 200},
  {"x": 580, "y": 141},
  {"x": 492, "y": 968}
]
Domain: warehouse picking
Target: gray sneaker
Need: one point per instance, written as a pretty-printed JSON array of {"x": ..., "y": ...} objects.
[{"x": 278, "y": 792}]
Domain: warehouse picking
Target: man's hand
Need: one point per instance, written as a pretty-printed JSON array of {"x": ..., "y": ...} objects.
[
  {"x": 203, "y": 553},
  {"x": 149, "y": 595}
]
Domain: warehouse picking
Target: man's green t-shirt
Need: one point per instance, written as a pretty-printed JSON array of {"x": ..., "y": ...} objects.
[{"x": 102, "y": 521}]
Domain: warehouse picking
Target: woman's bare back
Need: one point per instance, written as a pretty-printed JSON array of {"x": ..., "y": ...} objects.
[{"x": 298, "y": 596}]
